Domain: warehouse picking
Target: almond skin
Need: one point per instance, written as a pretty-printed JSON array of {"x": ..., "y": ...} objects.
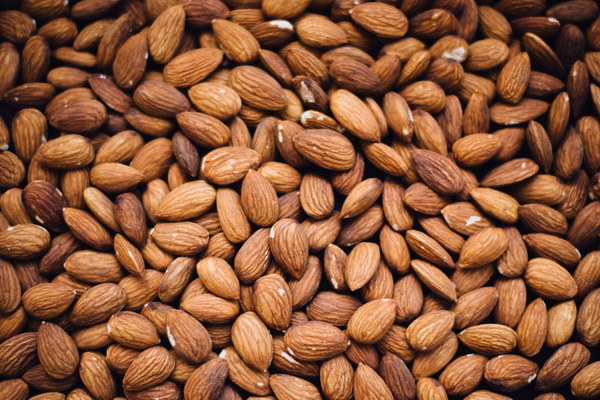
[
  {"x": 328, "y": 340},
  {"x": 325, "y": 148},
  {"x": 438, "y": 172},
  {"x": 429, "y": 330}
]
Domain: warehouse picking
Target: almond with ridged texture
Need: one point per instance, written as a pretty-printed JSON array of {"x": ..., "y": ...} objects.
[
  {"x": 398, "y": 115},
  {"x": 10, "y": 296},
  {"x": 486, "y": 54},
  {"x": 193, "y": 66},
  {"x": 120, "y": 147},
  {"x": 362, "y": 196},
  {"x": 463, "y": 375},
  {"x": 431, "y": 362},
  {"x": 428, "y": 248},
  {"x": 549, "y": 280},
  {"x": 66, "y": 152},
  {"x": 128, "y": 255},
  {"x": 130, "y": 61},
  {"x": 97, "y": 304},
  {"x": 259, "y": 199},
  {"x": 383, "y": 20},
  {"x": 252, "y": 340},
  {"x": 586, "y": 383},
  {"x": 12, "y": 170},
  {"x": 289, "y": 387},
  {"x": 96, "y": 376},
  {"x": 553, "y": 247},
  {"x": 187, "y": 201},
  {"x": 24, "y": 241},
  {"x": 57, "y": 352},
  {"x": 18, "y": 353},
  {"x": 433, "y": 24},
  {"x": 587, "y": 325},
  {"x": 315, "y": 341},
  {"x": 150, "y": 368},
  {"x": 361, "y": 265},
  {"x": 482, "y": 248},
  {"x": 430, "y": 389},
  {"x": 510, "y": 172},
  {"x": 336, "y": 376},
  {"x": 429, "y": 330},
  {"x": 438, "y": 172},
  {"x": 215, "y": 99},
  {"x": 28, "y": 132},
  {"x": 236, "y": 227},
  {"x": 561, "y": 366},
  {"x": 510, "y": 372},
  {"x": 229, "y": 164},
  {"x": 489, "y": 339},
  {"x": 40, "y": 301},
  {"x": 188, "y": 337},
  {"x": 497, "y": 204},
  {"x": 368, "y": 384},
  {"x": 115, "y": 177},
  {"x": 333, "y": 308},
  {"x": 236, "y": 42},
  {"x": 273, "y": 301},
  {"x": 207, "y": 381},
  {"x": 316, "y": 196},
  {"x": 244, "y": 376},
  {"x": 132, "y": 330},
  {"x": 257, "y": 88},
  {"x": 513, "y": 114},
  {"x": 16, "y": 26},
  {"x": 200, "y": 14},
  {"x": 186, "y": 154},
  {"x": 355, "y": 116},
  {"x": 531, "y": 331},
  {"x": 512, "y": 299},
  {"x": 180, "y": 238},
  {"x": 475, "y": 149},
  {"x": 105, "y": 88},
  {"x": 416, "y": 66},
  {"x": 159, "y": 99},
  {"x": 434, "y": 279},
  {"x": 165, "y": 34},
  {"x": 355, "y": 76},
  {"x": 203, "y": 129},
  {"x": 494, "y": 24},
  {"x": 319, "y": 31},
  {"x": 9, "y": 60},
  {"x": 14, "y": 389},
  {"x": 513, "y": 78},
  {"x": 93, "y": 267},
  {"x": 78, "y": 116},
  {"x": 289, "y": 246},
  {"x": 426, "y": 95},
  {"x": 131, "y": 216},
  {"x": 372, "y": 321},
  {"x": 283, "y": 177},
  {"x": 87, "y": 229},
  {"x": 474, "y": 306},
  {"x": 326, "y": 148},
  {"x": 218, "y": 277},
  {"x": 275, "y": 9}
]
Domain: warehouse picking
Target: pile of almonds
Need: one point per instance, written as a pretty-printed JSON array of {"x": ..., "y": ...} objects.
[{"x": 299, "y": 199}]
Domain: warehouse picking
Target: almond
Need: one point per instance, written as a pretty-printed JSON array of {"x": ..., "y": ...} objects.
[
  {"x": 429, "y": 330},
  {"x": 372, "y": 320}
]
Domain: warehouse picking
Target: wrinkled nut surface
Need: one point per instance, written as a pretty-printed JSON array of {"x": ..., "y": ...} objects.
[{"x": 299, "y": 199}]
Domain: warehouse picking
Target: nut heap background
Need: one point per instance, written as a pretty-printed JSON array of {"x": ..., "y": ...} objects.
[{"x": 297, "y": 200}]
